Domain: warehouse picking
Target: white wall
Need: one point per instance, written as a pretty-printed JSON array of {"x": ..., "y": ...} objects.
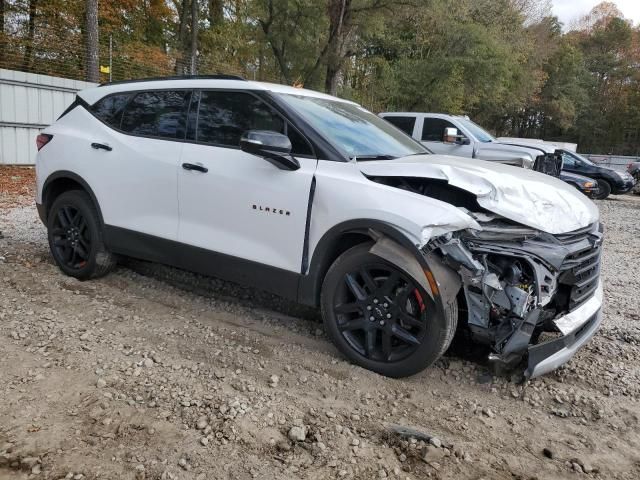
[{"x": 28, "y": 103}]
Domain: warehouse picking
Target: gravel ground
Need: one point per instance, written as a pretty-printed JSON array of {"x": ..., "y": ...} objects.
[{"x": 158, "y": 374}]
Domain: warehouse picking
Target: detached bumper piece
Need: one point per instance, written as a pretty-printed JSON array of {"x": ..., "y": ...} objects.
[{"x": 577, "y": 328}]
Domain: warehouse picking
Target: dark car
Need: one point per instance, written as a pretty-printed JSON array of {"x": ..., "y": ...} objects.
[
  {"x": 586, "y": 185},
  {"x": 634, "y": 170},
  {"x": 610, "y": 181}
]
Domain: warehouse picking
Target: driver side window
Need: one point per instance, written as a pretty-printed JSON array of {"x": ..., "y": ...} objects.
[
  {"x": 223, "y": 117},
  {"x": 433, "y": 129}
]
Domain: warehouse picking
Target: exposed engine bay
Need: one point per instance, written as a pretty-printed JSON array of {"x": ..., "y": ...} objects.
[{"x": 514, "y": 281}]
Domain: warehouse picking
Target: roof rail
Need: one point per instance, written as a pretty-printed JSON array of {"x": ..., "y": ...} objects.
[{"x": 177, "y": 77}]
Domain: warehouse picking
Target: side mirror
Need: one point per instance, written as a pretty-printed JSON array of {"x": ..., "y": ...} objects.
[
  {"x": 274, "y": 147},
  {"x": 451, "y": 135}
]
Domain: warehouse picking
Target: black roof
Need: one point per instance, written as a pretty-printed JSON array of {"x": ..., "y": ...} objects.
[{"x": 177, "y": 77}]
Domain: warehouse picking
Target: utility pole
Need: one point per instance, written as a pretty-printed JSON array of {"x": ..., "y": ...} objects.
[{"x": 110, "y": 56}]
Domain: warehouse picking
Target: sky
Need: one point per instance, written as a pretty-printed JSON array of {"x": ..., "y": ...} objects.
[{"x": 568, "y": 10}]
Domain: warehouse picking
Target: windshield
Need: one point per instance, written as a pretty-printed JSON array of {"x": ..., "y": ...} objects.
[
  {"x": 357, "y": 132},
  {"x": 476, "y": 130}
]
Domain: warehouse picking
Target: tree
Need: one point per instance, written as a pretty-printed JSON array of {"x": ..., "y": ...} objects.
[
  {"x": 91, "y": 39},
  {"x": 194, "y": 37},
  {"x": 28, "y": 51}
]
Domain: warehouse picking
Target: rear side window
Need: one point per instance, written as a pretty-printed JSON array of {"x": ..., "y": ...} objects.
[
  {"x": 159, "y": 114},
  {"x": 405, "y": 124},
  {"x": 433, "y": 129},
  {"x": 110, "y": 109}
]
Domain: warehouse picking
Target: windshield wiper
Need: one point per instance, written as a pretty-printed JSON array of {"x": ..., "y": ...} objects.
[{"x": 364, "y": 158}]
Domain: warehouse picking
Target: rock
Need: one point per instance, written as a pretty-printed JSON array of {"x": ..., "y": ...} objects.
[
  {"x": 432, "y": 454},
  {"x": 436, "y": 442},
  {"x": 182, "y": 463},
  {"x": 204, "y": 441},
  {"x": 488, "y": 412},
  {"x": 273, "y": 380},
  {"x": 355, "y": 442},
  {"x": 29, "y": 462},
  {"x": 101, "y": 383},
  {"x": 147, "y": 362},
  {"x": 297, "y": 434},
  {"x": 202, "y": 422}
]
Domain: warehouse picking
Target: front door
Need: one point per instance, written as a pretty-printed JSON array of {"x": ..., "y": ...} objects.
[
  {"x": 433, "y": 134},
  {"x": 236, "y": 203}
]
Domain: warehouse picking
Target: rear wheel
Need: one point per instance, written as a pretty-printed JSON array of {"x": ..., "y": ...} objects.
[
  {"x": 604, "y": 190},
  {"x": 380, "y": 317},
  {"x": 75, "y": 237}
]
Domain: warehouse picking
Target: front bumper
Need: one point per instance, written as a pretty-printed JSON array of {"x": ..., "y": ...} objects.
[
  {"x": 577, "y": 328},
  {"x": 624, "y": 187}
]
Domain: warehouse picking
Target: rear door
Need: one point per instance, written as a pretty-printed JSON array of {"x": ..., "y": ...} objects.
[
  {"x": 405, "y": 123},
  {"x": 133, "y": 159},
  {"x": 236, "y": 203}
]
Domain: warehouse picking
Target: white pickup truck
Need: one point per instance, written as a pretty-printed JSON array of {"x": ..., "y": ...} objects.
[{"x": 458, "y": 135}]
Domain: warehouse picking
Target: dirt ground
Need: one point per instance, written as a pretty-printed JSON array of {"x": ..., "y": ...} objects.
[{"x": 150, "y": 373}]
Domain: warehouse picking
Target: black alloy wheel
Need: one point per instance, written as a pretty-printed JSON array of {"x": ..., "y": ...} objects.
[
  {"x": 380, "y": 317},
  {"x": 71, "y": 237},
  {"x": 381, "y": 313},
  {"x": 75, "y": 236}
]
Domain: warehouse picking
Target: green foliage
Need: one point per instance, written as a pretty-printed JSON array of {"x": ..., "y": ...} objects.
[{"x": 503, "y": 62}]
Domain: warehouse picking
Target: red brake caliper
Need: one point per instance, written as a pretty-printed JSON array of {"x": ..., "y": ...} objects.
[{"x": 416, "y": 292}]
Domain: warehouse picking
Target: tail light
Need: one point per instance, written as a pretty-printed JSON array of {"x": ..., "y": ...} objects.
[{"x": 42, "y": 140}]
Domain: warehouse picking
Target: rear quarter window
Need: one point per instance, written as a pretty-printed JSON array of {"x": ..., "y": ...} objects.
[
  {"x": 110, "y": 109},
  {"x": 160, "y": 114}
]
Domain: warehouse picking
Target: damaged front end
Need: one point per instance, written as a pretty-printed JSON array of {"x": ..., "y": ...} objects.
[{"x": 525, "y": 293}]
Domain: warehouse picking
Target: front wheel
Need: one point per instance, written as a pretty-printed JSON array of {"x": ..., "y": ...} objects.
[
  {"x": 604, "y": 190},
  {"x": 75, "y": 237},
  {"x": 381, "y": 318}
]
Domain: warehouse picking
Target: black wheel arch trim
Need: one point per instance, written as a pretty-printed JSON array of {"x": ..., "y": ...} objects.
[
  {"x": 323, "y": 254},
  {"x": 67, "y": 175}
]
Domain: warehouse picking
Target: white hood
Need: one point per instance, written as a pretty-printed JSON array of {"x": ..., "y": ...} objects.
[{"x": 524, "y": 196}]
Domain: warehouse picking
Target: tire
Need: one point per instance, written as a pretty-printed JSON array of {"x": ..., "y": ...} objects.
[
  {"x": 354, "y": 305},
  {"x": 76, "y": 238},
  {"x": 604, "y": 190}
]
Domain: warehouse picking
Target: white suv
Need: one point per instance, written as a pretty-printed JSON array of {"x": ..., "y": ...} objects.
[{"x": 318, "y": 200}]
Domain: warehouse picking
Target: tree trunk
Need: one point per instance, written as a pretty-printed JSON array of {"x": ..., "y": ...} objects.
[
  {"x": 91, "y": 42},
  {"x": 216, "y": 12},
  {"x": 2, "y": 43},
  {"x": 181, "y": 61},
  {"x": 339, "y": 33},
  {"x": 194, "y": 37},
  {"x": 28, "y": 51}
]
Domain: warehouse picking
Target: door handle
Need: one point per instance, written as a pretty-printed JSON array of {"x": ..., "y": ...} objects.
[
  {"x": 102, "y": 146},
  {"x": 193, "y": 166}
]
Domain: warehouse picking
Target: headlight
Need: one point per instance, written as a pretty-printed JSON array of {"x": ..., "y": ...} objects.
[{"x": 589, "y": 185}]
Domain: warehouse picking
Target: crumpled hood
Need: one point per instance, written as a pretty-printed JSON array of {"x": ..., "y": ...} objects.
[{"x": 524, "y": 196}]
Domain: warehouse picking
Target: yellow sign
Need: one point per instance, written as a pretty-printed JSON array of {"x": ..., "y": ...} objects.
[{"x": 104, "y": 69}]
